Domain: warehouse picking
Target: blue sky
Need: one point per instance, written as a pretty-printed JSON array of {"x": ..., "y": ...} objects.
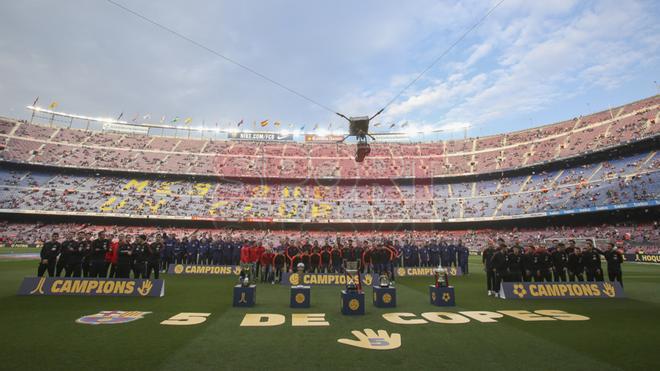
[{"x": 530, "y": 63}]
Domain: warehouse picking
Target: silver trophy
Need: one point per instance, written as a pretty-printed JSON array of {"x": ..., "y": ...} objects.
[
  {"x": 441, "y": 278},
  {"x": 353, "y": 277},
  {"x": 244, "y": 276},
  {"x": 300, "y": 271},
  {"x": 384, "y": 280}
]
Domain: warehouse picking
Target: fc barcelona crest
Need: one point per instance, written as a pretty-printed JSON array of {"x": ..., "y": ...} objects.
[{"x": 111, "y": 317}]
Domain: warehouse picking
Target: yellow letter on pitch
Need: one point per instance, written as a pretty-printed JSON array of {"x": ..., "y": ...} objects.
[{"x": 262, "y": 319}]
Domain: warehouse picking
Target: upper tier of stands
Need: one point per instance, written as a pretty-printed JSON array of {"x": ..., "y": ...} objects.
[
  {"x": 630, "y": 181},
  {"x": 31, "y": 143}
]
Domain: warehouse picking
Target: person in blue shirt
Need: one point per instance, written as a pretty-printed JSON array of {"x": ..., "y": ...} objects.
[
  {"x": 227, "y": 246},
  {"x": 167, "y": 252},
  {"x": 407, "y": 254},
  {"x": 192, "y": 249},
  {"x": 424, "y": 254},
  {"x": 463, "y": 256},
  {"x": 204, "y": 250},
  {"x": 444, "y": 254},
  {"x": 236, "y": 255},
  {"x": 179, "y": 250},
  {"x": 434, "y": 253},
  {"x": 451, "y": 250},
  {"x": 217, "y": 250}
]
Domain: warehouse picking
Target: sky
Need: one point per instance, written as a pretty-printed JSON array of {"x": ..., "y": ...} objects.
[{"x": 529, "y": 63}]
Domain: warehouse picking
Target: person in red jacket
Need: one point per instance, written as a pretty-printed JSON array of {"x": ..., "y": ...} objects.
[
  {"x": 112, "y": 255},
  {"x": 255, "y": 254},
  {"x": 245, "y": 254},
  {"x": 266, "y": 263}
]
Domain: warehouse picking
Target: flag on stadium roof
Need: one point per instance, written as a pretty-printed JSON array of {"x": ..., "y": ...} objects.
[
  {"x": 53, "y": 105},
  {"x": 277, "y": 124},
  {"x": 264, "y": 123},
  {"x": 120, "y": 116},
  {"x": 162, "y": 119},
  {"x": 316, "y": 127},
  {"x": 135, "y": 117},
  {"x": 146, "y": 117},
  {"x": 240, "y": 123},
  {"x": 404, "y": 124},
  {"x": 35, "y": 101},
  {"x": 377, "y": 124},
  {"x": 174, "y": 120},
  {"x": 302, "y": 128},
  {"x": 393, "y": 125},
  {"x": 187, "y": 121}
]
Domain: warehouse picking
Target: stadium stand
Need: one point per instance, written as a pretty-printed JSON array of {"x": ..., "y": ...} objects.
[{"x": 39, "y": 144}]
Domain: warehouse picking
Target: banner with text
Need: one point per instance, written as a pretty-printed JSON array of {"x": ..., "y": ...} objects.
[
  {"x": 309, "y": 279},
  {"x": 642, "y": 258},
  {"x": 124, "y": 128},
  {"x": 73, "y": 286},
  {"x": 561, "y": 290},
  {"x": 425, "y": 271},
  {"x": 222, "y": 270},
  {"x": 255, "y": 136}
]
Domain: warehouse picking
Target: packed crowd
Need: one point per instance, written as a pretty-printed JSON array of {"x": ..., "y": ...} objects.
[
  {"x": 61, "y": 146},
  {"x": 617, "y": 181}
]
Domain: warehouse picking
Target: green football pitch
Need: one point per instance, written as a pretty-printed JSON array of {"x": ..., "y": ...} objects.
[{"x": 42, "y": 333}]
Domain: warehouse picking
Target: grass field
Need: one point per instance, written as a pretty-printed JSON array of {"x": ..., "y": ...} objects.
[{"x": 41, "y": 332}]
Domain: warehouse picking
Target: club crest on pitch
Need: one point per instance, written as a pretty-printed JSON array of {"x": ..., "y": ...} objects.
[{"x": 111, "y": 317}]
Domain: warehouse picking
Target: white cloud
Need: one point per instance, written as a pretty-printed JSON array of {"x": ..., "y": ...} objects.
[{"x": 538, "y": 59}]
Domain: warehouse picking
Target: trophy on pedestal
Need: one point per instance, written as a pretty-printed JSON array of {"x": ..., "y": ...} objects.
[
  {"x": 244, "y": 278},
  {"x": 300, "y": 271},
  {"x": 441, "y": 277},
  {"x": 353, "y": 281},
  {"x": 384, "y": 280},
  {"x": 441, "y": 294},
  {"x": 245, "y": 293},
  {"x": 300, "y": 294}
]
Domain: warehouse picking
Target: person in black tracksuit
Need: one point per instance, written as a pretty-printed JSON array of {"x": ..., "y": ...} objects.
[
  {"x": 514, "y": 265},
  {"x": 64, "y": 254},
  {"x": 74, "y": 259},
  {"x": 49, "y": 252},
  {"x": 279, "y": 261},
  {"x": 139, "y": 257},
  {"x": 153, "y": 257},
  {"x": 325, "y": 259},
  {"x": 592, "y": 264},
  {"x": 486, "y": 259},
  {"x": 528, "y": 268},
  {"x": 559, "y": 260},
  {"x": 543, "y": 263},
  {"x": 336, "y": 259},
  {"x": 85, "y": 240},
  {"x": 499, "y": 263},
  {"x": 575, "y": 266},
  {"x": 100, "y": 247},
  {"x": 614, "y": 260},
  {"x": 124, "y": 259}
]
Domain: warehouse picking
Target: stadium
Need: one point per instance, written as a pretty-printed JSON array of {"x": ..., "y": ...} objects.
[{"x": 149, "y": 242}]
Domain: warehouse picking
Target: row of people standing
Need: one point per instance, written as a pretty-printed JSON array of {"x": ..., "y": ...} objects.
[
  {"x": 557, "y": 263},
  {"x": 80, "y": 256}
]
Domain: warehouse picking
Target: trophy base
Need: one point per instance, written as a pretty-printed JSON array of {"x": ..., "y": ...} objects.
[
  {"x": 245, "y": 296},
  {"x": 384, "y": 297},
  {"x": 442, "y": 296},
  {"x": 352, "y": 303},
  {"x": 301, "y": 297}
]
